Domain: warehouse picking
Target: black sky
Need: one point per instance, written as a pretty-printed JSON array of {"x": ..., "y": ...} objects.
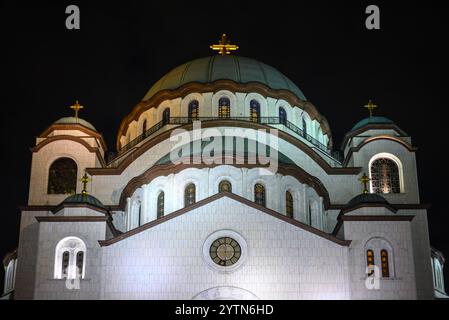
[{"x": 125, "y": 47}]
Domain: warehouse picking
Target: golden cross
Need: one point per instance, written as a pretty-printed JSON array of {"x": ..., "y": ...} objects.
[
  {"x": 85, "y": 180},
  {"x": 77, "y": 107},
  {"x": 224, "y": 47},
  {"x": 364, "y": 179},
  {"x": 370, "y": 106}
]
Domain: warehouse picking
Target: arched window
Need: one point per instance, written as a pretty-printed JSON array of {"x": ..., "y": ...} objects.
[
  {"x": 189, "y": 195},
  {"x": 225, "y": 186},
  {"x": 282, "y": 116},
  {"x": 79, "y": 263},
  {"x": 224, "y": 108},
  {"x": 259, "y": 194},
  {"x": 385, "y": 176},
  {"x": 144, "y": 126},
  {"x": 289, "y": 204},
  {"x": 62, "y": 177},
  {"x": 65, "y": 264},
  {"x": 304, "y": 126},
  {"x": 166, "y": 116},
  {"x": 193, "y": 110},
  {"x": 254, "y": 111},
  {"x": 370, "y": 261},
  {"x": 139, "y": 216},
  {"x": 70, "y": 258},
  {"x": 385, "y": 263},
  {"x": 160, "y": 204}
]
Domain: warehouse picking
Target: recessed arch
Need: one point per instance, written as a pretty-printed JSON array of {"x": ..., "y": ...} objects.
[{"x": 400, "y": 171}]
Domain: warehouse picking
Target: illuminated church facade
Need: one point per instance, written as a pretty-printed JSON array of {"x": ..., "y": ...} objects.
[{"x": 301, "y": 226}]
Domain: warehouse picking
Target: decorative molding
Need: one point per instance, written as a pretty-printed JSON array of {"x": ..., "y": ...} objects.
[
  {"x": 408, "y": 146},
  {"x": 133, "y": 154},
  {"x": 377, "y": 218},
  {"x": 75, "y": 126},
  {"x": 367, "y": 127},
  {"x": 72, "y": 219},
  {"x": 216, "y": 197},
  {"x": 166, "y": 169},
  {"x": 197, "y": 87},
  {"x": 71, "y": 138}
]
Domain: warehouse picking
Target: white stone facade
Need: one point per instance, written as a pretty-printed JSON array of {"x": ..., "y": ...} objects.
[{"x": 316, "y": 251}]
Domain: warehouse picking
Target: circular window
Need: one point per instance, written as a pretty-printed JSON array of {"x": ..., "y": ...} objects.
[{"x": 225, "y": 251}]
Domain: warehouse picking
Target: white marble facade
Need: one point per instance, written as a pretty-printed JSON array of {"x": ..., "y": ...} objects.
[{"x": 125, "y": 249}]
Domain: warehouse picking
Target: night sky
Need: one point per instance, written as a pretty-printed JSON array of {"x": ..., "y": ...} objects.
[{"x": 125, "y": 47}]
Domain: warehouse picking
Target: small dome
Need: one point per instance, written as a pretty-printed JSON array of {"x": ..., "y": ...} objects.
[
  {"x": 84, "y": 199},
  {"x": 235, "y": 68},
  {"x": 73, "y": 120},
  {"x": 372, "y": 120},
  {"x": 367, "y": 198}
]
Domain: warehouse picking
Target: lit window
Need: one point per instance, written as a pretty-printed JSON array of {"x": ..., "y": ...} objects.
[
  {"x": 224, "y": 108},
  {"x": 370, "y": 262},
  {"x": 160, "y": 204},
  {"x": 385, "y": 266},
  {"x": 189, "y": 195},
  {"x": 70, "y": 259},
  {"x": 254, "y": 111},
  {"x": 225, "y": 186},
  {"x": 193, "y": 110},
  {"x": 62, "y": 177},
  {"x": 385, "y": 176},
  {"x": 259, "y": 194},
  {"x": 289, "y": 204}
]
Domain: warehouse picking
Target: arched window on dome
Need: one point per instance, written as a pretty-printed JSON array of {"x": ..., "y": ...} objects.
[
  {"x": 62, "y": 177},
  {"x": 144, "y": 126},
  {"x": 370, "y": 262},
  {"x": 224, "y": 108},
  {"x": 304, "y": 126},
  {"x": 385, "y": 176},
  {"x": 282, "y": 116},
  {"x": 166, "y": 116},
  {"x": 189, "y": 195},
  {"x": 254, "y": 111},
  {"x": 160, "y": 204},
  {"x": 70, "y": 259},
  {"x": 194, "y": 110},
  {"x": 225, "y": 186},
  {"x": 385, "y": 263},
  {"x": 289, "y": 204},
  {"x": 259, "y": 194}
]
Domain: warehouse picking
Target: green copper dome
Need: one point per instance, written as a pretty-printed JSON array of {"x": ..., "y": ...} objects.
[
  {"x": 235, "y": 68},
  {"x": 73, "y": 120},
  {"x": 367, "y": 198},
  {"x": 84, "y": 199},
  {"x": 372, "y": 120}
]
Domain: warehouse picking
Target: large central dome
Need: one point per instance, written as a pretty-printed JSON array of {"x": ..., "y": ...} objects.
[{"x": 235, "y": 68}]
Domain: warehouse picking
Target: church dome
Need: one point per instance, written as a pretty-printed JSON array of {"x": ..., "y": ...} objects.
[
  {"x": 372, "y": 120},
  {"x": 367, "y": 198},
  {"x": 83, "y": 199},
  {"x": 235, "y": 68},
  {"x": 73, "y": 120}
]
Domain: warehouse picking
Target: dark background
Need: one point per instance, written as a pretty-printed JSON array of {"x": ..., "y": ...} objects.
[{"x": 125, "y": 47}]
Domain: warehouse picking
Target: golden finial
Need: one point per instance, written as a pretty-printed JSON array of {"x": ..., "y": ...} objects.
[
  {"x": 77, "y": 107},
  {"x": 224, "y": 47},
  {"x": 85, "y": 180},
  {"x": 365, "y": 180},
  {"x": 370, "y": 106}
]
